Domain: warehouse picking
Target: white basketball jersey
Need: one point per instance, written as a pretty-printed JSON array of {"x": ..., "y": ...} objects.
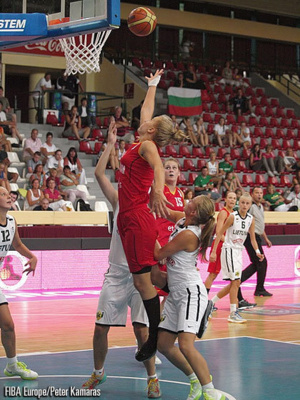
[
  {"x": 116, "y": 253},
  {"x": 237, "y": 233},
  {"x": 182, "y": 266},
  {"x": 7, "y": 234}
]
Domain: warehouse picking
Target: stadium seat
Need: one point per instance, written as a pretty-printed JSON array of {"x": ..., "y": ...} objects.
[
  {"x": 272, "y": 180},
  {"x": 97, "y": 134},
  {"x": 246, "y": 154},
  {"x": 279, "y": 133},
  {"x": 235, "y": 154},
  {"x": 263, "y": 121},
  {"x": 188, "y": 165},
  {"x": 85, "y": 147},
  {"x": 290, "y": 134},
  {"x": 274, "y": 102},
  {"x": 296, "y": 145},
  {"x": 97, "y": 147},
  {"x": 14, "y": 160},
  {"x": 240, "y": 166},
  {"x": 247, "y": 180},
  {"x": 269, "y": 133},
  {"x": 260, "y": 92},
  {"x": 169, "y": 65},
  {"x": 254, "y": 101},
  {"x": 214, "y": 107},
  {"x": 274, "y": 122},
  {"x": 258, "y": 132},
  {"x": 263, "y": 143},
  {"x": 181, "y": 179},
  {"x": 285, "y": 181},
  {"x": 284, "y": 123},
  {"x": 106, "y": 122},
  {"x": 180, "y": 66},
  {"x": 228, "y": 90},
  {"x": 222, "y": 98},
  {"x": 137, "y": 62},
  {"x": 264, "y": 101},
  {"x": 260, "y": 180},
  {"x": 207, "y": 118},
  {"x": 269, "y": 112},
  {"x": 290, "y": 113},
  {"x": 221, "y": 152},
  {"x": 252, "y": 121},
  {"x": 200, "y": 164},
  {"x": 241, "y": 119},
  {"x": 170, "y": 151},
  {"x": 276, "y": 144},
  {"x": 259, "y": 111},
  {"x": 192, "y": 177},
  {"x": 197, "y": 152},
  {"x": 286, "y": 143},
  {"x": 218, "y": 89},
  {"x": 147, "y": 63},
  {"x": 280, "y": 112},
  {"x": 184, "y": 151},
  {"x": 249, "y": 92},
  {"x": 217, "y": 118},
  {"x": 205, "y": 107},
  {"x": 230, "y": 119},
  {"x": 295, "y": 124},
  {"x": 205, "y": 96}
]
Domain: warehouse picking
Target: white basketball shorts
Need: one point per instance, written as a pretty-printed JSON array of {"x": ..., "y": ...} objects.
[{"x": 231, "y": 263}]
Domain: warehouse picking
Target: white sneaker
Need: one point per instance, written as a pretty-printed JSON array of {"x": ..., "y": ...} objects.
[
  {"x": 195, "y": 390},
  {"x": 236, "y": 318},
  {"x": 213, "y": 394},
  {"x": 20, "y": 369},
  {"x": 157, "y": 361},
  {"x": 270, "y": 173}
]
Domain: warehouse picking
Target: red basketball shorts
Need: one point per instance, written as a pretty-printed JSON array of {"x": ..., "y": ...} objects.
[
  {"x": 138, "y": 232},
  {"x": 215, "y": 267}
]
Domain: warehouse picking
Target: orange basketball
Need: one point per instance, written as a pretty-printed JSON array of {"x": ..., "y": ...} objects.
[{"x": 141, "y": 21}]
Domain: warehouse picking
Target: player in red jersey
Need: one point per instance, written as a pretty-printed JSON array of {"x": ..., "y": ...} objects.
[
  {"x": 175, "y": 196},
  {"x": 141, "y": 168},
  {"x": 214, "y": 268}
]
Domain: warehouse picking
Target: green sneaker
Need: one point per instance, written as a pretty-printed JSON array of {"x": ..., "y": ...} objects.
[
  {"x": 213, "y": 394},
  {"x": 94, "y": 380},
  {"x": 20, "y": 369},
  {"x": 195, "y": 391}
]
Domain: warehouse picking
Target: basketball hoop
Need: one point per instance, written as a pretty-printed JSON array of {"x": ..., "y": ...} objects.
[{"x": 83, "y": 52}]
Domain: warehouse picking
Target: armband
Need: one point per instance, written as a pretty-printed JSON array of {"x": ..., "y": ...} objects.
[
  {"x": 154, "y": 82},
  {"x": 257, "y": 251}
]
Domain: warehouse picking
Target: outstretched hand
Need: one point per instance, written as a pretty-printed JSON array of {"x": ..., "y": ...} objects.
[
  {"x": 32, "y": 266},
  {"x": 159, "y": 205},
  {"x": 112, "y": 132},
  {"x": 153, "y": 80}
]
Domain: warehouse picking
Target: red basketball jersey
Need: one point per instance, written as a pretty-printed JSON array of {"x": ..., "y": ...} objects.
[
  {"x": 135, "y": 179},
  {"x": 165, "y": 227}
]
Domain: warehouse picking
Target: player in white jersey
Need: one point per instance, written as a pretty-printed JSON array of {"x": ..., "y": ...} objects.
[
  {"x": 9, "y": 236},
  {"x": 237, "y": 226},
  {"x": 118, "y": 291},
  {"x": 187, "y": 301}
]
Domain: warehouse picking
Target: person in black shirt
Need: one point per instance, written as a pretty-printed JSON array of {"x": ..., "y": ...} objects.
[
  {"x": 71, "y": 84},
  {"x": 240, "y": 103}
]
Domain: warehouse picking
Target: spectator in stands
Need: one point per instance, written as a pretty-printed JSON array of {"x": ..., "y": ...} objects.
[
  {"x": 9, "y": 127},
  {"x": 113, "y": 159},
  {"x": 227, "y": 166},
  {"x": 34, "y": 195},
  {"x": 32, "y": 145},
  {"x": 38, "y": 173},
  {"x": 200, "y": 132},
  {"x": 56, "y": 162},
  {"x": 73, "y": 126},
  {"x": 48, "y": 149},
  {"x": 136, "y": 115},
  {"x": 14, "y": 201},
  {"x": 69, "y": 184},
  {"x": 204, "y": 185},
  {"x": 227, "y": 74},
  {"x": 11, "y": 176},
  {"x": 44, "y": 206},
  {"x": 242, "y": 136},
  {"x": 255, "y": 160},
  {"x": 175, "y": 123},
  {"x": 240, "y": 103},
  {"x": 290, "y": 162},
  {"x": 121, "y": 150},
  {"x": 213, "y": 169},
  {"x": 186, "y": 126},
  {"x": 10, "y": 116},
  {"x": 54, "y": 197},
  {"x": 70, "y": 84},
  {"x": 230, "y": 182},
  {"x": 86, "y": 118},
  {"x": 274, "y": 200},
  {"x": 4, "y": 143},
  {"x": 185, "y": 49},
  {"x": 238, "y": 193},
  {"x": 74, "y": 163},
  {"x": 180, "y": 82},
  {"x": 39, "y": 91},
  {"x": 293, "y": 199},
  {"x": 188, "y": 196},
  {"x": 190, "y": 79},
  {"x": 223, "y": 133},
  {"x": 3, "y": 177},
  {"x": 53, "y": 175},
  {"x": 273, "y": 165},
  {"x": 238, "y": 79},
  {"x": 33, "y": 162},
  {"x": 121, "y": 124},
  {"x": 296, "y": 179}
]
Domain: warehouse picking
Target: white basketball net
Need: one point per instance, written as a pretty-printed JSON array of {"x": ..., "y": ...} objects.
[{"x": 83, "y": 52}]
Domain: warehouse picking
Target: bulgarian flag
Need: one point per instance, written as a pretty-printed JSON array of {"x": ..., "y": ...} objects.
[{"x": 184, "y": 102}]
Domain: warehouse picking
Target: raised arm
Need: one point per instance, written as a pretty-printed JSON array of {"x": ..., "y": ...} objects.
[
  {"x": 149, "y": 102},
  {"x": 109, "y": 191}
]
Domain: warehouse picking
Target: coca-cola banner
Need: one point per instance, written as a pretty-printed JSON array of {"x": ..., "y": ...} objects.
[{"x": 51, "y": 48}]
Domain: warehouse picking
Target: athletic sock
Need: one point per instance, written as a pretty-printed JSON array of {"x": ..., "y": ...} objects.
[
  {"x": 151, "y": 377},
  {"x": 209, "y": 385},
  {"x": 207, "y": 289},
  {"x": 215, "y": 299},
  {"x": 152, "y": 307},
  {"x": 11, "y": 361},
  {"x": 192, "y": 377},
  {"x": 232, "y": 308},
  {"x": 99, "y": 371}
]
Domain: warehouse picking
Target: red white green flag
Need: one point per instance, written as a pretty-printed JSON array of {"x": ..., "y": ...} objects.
[{"x": 184, "y": 102}]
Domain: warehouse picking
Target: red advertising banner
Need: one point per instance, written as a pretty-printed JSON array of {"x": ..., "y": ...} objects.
[{"x": 51, "y": 48}]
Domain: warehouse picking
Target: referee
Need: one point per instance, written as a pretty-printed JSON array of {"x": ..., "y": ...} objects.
[{"x": 260, "y": 267}]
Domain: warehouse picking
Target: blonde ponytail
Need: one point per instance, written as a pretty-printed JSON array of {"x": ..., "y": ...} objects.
[
  {"x": 205, "y": 216},
  {"x": 165, "y": 132}
]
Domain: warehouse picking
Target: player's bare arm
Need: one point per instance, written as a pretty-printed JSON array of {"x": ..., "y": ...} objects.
[
  {"x": 24, "y": 251},
  {"x": 184, "y": 241},
  {"x": 149, "y": 102},
  {"x": 228, "y": 223},
  {"x": 109, "y": 191}
]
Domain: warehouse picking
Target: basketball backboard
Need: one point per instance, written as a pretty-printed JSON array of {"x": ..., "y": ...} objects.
[{"x": 64, "y": 18}]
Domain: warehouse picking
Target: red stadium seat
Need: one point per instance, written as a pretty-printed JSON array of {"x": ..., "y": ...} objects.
[
  {"x": 260, "y": 92},
  {"x": 204, "y": 95},
  {"x": 290, "y": 134},
  {"x": 269, "y": 132},
  {"x": 214, "y": 108},
  {"x": 85, "y": 147},
  {"x": 286, "y": 143},
  {"x": 200, "y": 164},
  {"x": 274, "y": 122},
  {"x": 263, "y": 143},
  {"x": 259, "y": 111},
  {"x": 221, "y": 152},
  {"x": 228, "y": 90},
  {"x": 241, "y": 119},
  {"x": 170, "y": 151},
  {"x": 218, "y": 89},
  {"x": 258, "y": 132},
  {"x": 188, "y": 165},
  {"x": 137, "y": 62},
  {"x": 230, "y": 119},
  {"x": 279, "y": 133},
  {"x": 171, "y": 75},
  {"x": 272, "y": 180},
  {"x": 285, "y": 181},
  {"x": 205, "y": 107},
  {"x": 147, "y": 63},
  {"x": 207, "y": 118},
  {"x": 295, "y": 124},
  {"x": 254, "y": 101},
  {"x": 269, "y": 112},
  {"x": 252, "y": 121},
  {"x": 222, "y": 98},
  {"x": 284, "y": 123},
  {"x": 260, "y": 180},
  {"x": 97, "y": 147},
  {"x": 247, "y": 180},
  {"x": 274, "y": 102},
  {"x": 181, "y": 179},
  {"x": 184, "y": 151},
  {"x": 290, "y": 113},
  {"x": 192, "y": 177},
  {"x": 249, "y": 92},
  {"x": 280, "y": 112},
  {"x": 246, "y": 154},
  {"x": 276, "y": 144},
  {"x": 296, "y": 145},
  {"x": 263, "y": 121},
  {"x": 235, "y": 154},
  {"x": 169, "y": 65},
  {"x": 240, "y": 166},
  {"x": 217, "y": 118},
  {"x": 97, "y": 134},
  {"x": 197, "y": 152},
  {"x": 264, "y": 101}
]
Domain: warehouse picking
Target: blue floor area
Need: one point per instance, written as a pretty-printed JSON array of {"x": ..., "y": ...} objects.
[{"x": 245, "y": 368}]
